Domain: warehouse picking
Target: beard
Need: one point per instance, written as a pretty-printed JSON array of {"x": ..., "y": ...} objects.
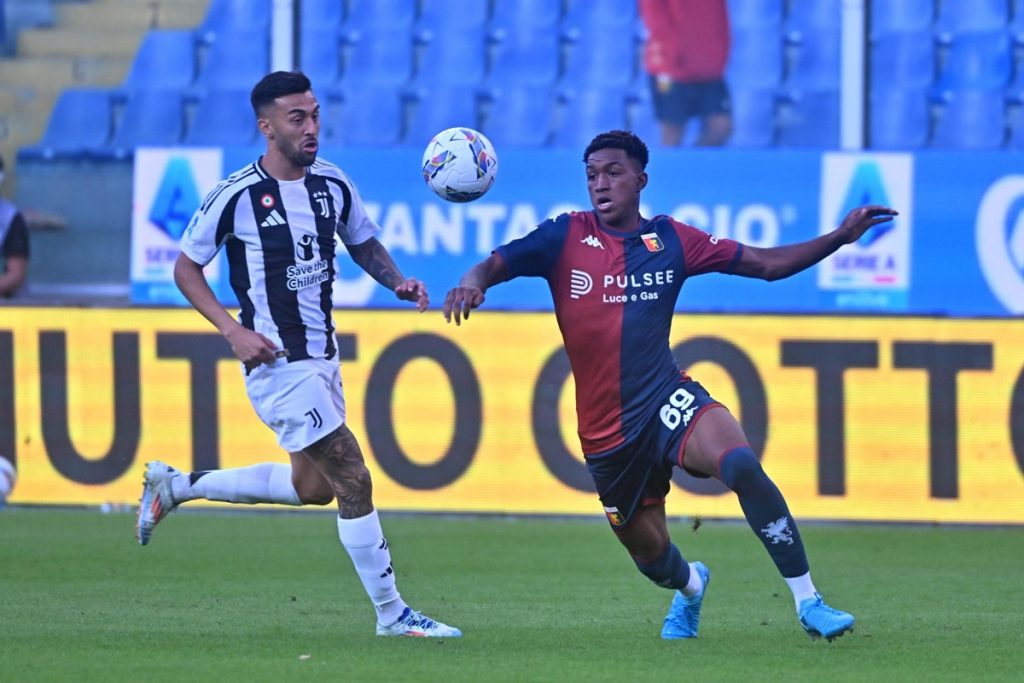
[{"x": 297, "y": 155}]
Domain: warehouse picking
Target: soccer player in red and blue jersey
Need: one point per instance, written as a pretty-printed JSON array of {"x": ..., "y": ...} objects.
[{"x": 614, "y": 278}]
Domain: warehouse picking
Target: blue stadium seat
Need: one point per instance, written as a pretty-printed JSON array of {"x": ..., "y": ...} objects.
[
  {"x": 755, "y": 14},
  {"x": 222, "y": 117},
  {"x": 642, "y": 120},
  {"x": 977, "y": 60},
  {"x": 382, "y": 55},
  {"x": 587, "y": 15},
  {"x": 240, "y": 16},
  {"x": 957, "y": 17},
  {"x": 452, "y": 57},
  {"x": 816, "y": 63},
  {"x": 165, "y": 59},
  {"x": 904, "y": 16},
  {"x": 363, "y": 115},
  {"x": 436, "y": 18},
  {"x": 519, "y": 116},
  {"x": 903, "y": 59},
  {"x": 235, "y": 60},
  {"x": 320, "y": 56},
  {"x": 534, "y": 15},
  {"x": 600, "y": 56},
  {"x": 755, "y": 58},
  {"x": 525, "y": 57},
  {"x": 321, "y": 15},
  {"x": 587, "y": 112},
  {"x": 366, "y": 15},
  {"x": 438, "y": 107},
  {"x": 753, "y": 118},
  {"x": 810, "y": 119},
  {"x": 899, "y": 118},
  {"x": 150, "y": 118},
  {"x": 808, "y": 19},
  {"x": 1017, "y": 22},
  {"x": 1016, "y": 140},
  {"x": 971, "y": 120},
  {"x": 79, "y": 125}
]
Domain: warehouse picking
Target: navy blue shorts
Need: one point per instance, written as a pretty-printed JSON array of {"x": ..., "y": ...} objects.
[
  {"x": 678, "y": 102},
  {"x": 639, "y": 473}
]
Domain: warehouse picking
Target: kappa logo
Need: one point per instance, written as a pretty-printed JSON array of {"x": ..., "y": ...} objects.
[
  {"x": 592, "y": 241},
  {"x": 779, "y": 531},
  {"x": 999, "y": 239},
  {"x": 273, "y": 219},
  {"x": 580, "y": 283}
]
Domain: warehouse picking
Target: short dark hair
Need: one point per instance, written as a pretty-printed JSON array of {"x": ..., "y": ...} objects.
[
  {"x": 277, "y": 84},
  {"x": 633, "y": 146}
]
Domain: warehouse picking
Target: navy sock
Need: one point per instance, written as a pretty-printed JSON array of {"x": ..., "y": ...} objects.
[
  {"x": 766, "y": 510},
  {"x": 670, "y": 570}
]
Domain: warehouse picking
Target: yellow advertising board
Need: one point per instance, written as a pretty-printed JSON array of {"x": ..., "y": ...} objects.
[{"x": 855, "y": 418}]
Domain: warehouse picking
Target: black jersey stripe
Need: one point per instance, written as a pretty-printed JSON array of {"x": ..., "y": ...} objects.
[
  {"x": 346, "y": 197},
  {"x": 231, "y": 181},
  {"x": 325, "y": 215}
]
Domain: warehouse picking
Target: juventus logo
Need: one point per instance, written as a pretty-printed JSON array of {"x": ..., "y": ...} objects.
[
  {"x": 321, "y": 199},
  {"x": 314, "y": 415}
]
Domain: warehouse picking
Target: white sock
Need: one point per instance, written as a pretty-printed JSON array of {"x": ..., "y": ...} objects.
[
  {"x": 365, "y": 543},
  {"x": 802, "y": 587},
  {"x": 694, "y": 585},
  {"x": 268, "y": 482}
]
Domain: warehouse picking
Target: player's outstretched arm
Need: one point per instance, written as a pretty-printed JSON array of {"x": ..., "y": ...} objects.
[
  {"x": 250, "y": 347},
  {"x": 469, "y": 293},
  {"x": 776, "y": 263},
  {"x": 375, "y": 259}
]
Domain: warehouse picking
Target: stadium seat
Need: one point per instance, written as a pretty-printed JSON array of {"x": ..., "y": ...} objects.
[
  {"x": 903, "y": 59},
  {"x": 438, "y": 107},
  {"x": 755, "y": 14},
  {"x": 363, "y": 115},
  {"x": 755, "y": 58},
  {"x": 150, "y": 118},
  {"x": 971, "y": 120},
  {"x": 435, "y": 18},
  {"x": 585, "y": 112},
  {"x": 79, "y": 125},
  {"x": 977, "y": 60},
  {"x": 1016, "y": 140},
  {"x": 382, "y": 56},
  {"x": 532, "y": 15},
  {"x": 519, "y": 116},
  {"x": 1017, "y": 22},
  {"x": 957, "y": 17},
  {"x": 525, "y": 58},
  {"x": 905, "y": 16},
  {"x": 809, "y": 19},
  {"x": 320, "y": 56},
  {"x": 367, "y": 15},
  {"x": 600, "y": 56},
  {"x": 452, "y": 57},
  {"x": 165, "y": 59},
  {"x": 222, "y": 118},
  {"x": 583, "y": 16},
  {"x": 642, "y": 120},
  {"x": 899, "y": 118},
  {"x": 235, "y": 60},
  {"x": 810, "y": 119},
  {"x": 753, "y": 118},
  {"x": 239, "y": 16},
  {"x": 816, "y": 63},
  {"x": 321, "y": 15}
]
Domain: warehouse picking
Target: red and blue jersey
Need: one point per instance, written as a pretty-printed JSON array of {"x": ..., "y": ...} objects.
[{"x": 614, "y": 294}]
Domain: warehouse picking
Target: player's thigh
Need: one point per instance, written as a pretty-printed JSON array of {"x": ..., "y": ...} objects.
[
  {"x": 310, "y": 483},
  {"x": 715, "y": 433},
  {"x": 646, "y": 535}
]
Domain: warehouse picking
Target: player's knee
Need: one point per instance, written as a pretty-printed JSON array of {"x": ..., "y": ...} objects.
[
  {"x": 320, "y": 494},
  {"x": 666, "y": 570},
  {"x": 740, "y": 469}
]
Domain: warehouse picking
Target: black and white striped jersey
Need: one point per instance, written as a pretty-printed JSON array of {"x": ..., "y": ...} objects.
[{"x": 280, "y": 241}]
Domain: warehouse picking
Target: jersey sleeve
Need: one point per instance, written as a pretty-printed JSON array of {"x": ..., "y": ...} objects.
[
  {"x": 202, "y": 240},
  {"x": 704, "y": 253},
  {"x": 536, "y": 253},
  {"x": 16, "y": 241},
  {"x": 354, "y": 223}
]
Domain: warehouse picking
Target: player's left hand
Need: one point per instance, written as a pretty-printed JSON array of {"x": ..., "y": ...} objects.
[
  {"x": 862, "y": 219},
  {"x": 413, "y": 290}
]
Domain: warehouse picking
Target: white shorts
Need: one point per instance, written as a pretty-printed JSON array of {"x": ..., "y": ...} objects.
[{"x": 302, "y": 401}]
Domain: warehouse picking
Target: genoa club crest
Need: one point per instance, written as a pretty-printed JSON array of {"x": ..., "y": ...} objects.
[{"x": 652, "y": 241}]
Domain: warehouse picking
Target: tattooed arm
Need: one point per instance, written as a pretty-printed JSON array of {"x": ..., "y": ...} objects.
[{"x": 372, "y": 257}]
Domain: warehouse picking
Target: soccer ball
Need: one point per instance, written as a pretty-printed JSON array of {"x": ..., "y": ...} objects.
[
  {"x": 8, "y": 475},
  {"x": 460, "y": 165}
]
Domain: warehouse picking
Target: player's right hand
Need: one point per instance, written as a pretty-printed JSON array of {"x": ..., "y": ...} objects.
[
  {"x": 251, "y": 347},
  {"x": 460, "y": 301}
]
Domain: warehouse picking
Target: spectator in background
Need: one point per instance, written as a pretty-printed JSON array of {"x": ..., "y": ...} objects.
[
  {"x": 13, "y": 245},
  {"x": 686, "y": 52}
]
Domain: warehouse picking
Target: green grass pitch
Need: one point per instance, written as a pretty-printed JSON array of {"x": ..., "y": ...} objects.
[{"x": 272, "y": 597}]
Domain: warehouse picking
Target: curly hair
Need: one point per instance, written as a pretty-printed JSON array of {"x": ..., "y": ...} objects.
[{"x": 633, "y": 146}]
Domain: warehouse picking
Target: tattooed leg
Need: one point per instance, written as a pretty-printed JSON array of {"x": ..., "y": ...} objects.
[{"x": 340, "y": 459}]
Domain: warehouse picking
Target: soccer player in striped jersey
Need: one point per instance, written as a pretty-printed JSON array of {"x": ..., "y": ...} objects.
[
  {"x": 614, "y": 278},
  {"x": 278, "y": 218}
]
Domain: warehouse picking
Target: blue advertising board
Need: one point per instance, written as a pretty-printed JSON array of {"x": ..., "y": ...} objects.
[{"x": 956, "y": 249}]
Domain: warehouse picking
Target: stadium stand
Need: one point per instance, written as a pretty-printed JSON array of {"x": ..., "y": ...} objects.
[
  {"x": 234, "y": 16},
  {"x": 435, "y": 17},
  {"x": 587, "y": 111},
  {"x": 815, "y": 62},
  {"x": 906, "y": 16},
  {"x": 235, "y": 60},
  {"x": 364, "y": 115},
  {"x": 380, "y": 55},
  {"x": 599, "y": 58},
  {"x": 526, "y": 15},
  {"x": 320, "y": 55},
  {"x": 519, "y": 115},
  {"x": 900, "y": 118},
  {"x": 368, "y": 15},
  {"x": 903, "y": 59},
  {"x": 451, "y": 57},
  {"x": 755, "y": 58},
  {"x": 812, "y": 19},
  {"x": 756, "y": 14},
  {"x": 584, "y": 16},
  {"x": 957, "y": 17},
  {"x": 810, "y": 119},
  {"x": 80, "y": 125},
  {"x": 150, "y": 117},
  {"x": 322, "y": 15},
  {"x": 753, "y": 118},
  {"x": 971, "y": 120},
  {"x": 166, "y": 59},
  {"x": 524, "y": 56},
  {"x": 977, "y": 60},
  {"x": 438, "y": 107},
  {"x": 222, "y": 117}
]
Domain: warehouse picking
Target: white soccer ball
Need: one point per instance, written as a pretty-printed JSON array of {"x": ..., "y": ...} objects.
[
  {"x": 8, "y": 475},
  {"x": 460, "y": 165}
]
